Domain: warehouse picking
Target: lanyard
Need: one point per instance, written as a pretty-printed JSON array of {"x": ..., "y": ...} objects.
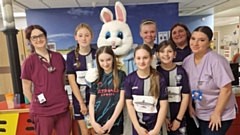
[
  {"x": 201, "y": 71},
  {"x": 50, "y": 68}
]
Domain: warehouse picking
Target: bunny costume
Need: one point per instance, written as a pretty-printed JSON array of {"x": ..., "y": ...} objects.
[{"x": 117, "y": 34}]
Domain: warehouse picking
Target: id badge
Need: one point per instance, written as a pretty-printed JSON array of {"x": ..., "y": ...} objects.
[
  {"x": 197, "y": 95},
  {"x": 41, "y": 98}
]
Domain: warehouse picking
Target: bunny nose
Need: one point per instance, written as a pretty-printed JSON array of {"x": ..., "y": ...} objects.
[{"x": 113, "y": 42}]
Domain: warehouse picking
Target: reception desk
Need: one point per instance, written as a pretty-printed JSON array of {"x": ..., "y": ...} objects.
[{"x": 18, "y": 122}]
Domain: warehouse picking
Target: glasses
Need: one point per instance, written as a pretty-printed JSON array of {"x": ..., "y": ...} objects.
[{"x": 35, "y": 38}]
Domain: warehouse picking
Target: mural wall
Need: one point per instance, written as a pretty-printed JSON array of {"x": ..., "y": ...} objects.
[{"x": 61, "y": 23}]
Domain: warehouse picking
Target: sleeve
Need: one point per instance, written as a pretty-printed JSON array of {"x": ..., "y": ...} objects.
[
  {"x": 27, "y": 70},
  {"x": 122, "y": 80},
  {"x": 93, "y": 89},
  {"x": 163, "y": 89},
  {"x": 127, "y": 88},
  {"x": 64, "y": 63},
  {"x": 185, "y": 82},
  {"x": 69, "y": 65},
  {"x": 222, "y": 73}
]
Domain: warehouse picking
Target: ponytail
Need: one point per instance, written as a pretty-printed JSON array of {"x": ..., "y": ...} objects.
[
  {"x": 76, "y": 55},
  {"x": 154, "y": 83}
]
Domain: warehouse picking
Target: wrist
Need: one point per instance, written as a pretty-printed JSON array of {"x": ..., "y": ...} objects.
[{"x": 178, "y": 120}]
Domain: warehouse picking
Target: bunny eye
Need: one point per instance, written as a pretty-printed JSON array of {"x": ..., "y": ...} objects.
[
  {"x": 120, "y": 35},
  {"x": 108, "y": 35}
]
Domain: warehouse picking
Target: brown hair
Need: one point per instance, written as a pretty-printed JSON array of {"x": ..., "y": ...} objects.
[
  {"x": 107, "y": 50},
  {"x": 81, "y": 25},
  {"x": 146, "y": 22},
  {"x": 184, "y": 27},
  {"x": 28, "y": 32},
  {"x": 206, "y": 30},
  {"x": 165, "y": 44},
  {"x": 154, "y": 74}
]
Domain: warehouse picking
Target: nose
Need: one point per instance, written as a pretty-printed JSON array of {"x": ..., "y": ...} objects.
[{"x": 113, "y": 42}]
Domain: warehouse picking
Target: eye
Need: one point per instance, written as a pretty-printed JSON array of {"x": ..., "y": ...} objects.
[
  {"x": 108, "y": 35},
  {"x": 120, "y": 35}
]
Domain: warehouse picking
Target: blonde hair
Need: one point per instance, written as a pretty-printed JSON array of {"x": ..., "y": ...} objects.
[
  {"x": 154, "y": 74},
  {"x": 146, "y": 22},
  {"x": 80, "y": 26}
]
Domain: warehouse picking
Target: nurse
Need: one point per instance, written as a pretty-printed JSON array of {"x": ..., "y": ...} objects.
[
  {"x": 210, "y": 80},
  {"x": 45, "y": 69}
]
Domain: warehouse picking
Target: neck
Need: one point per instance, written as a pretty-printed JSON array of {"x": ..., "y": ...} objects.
[
  {"x": 181, "y": 45},
  {"x": 198, "y": 57},
  {"x": 143, "y": 73},
  {"x": 150, "y": 44},
  {"x": 84, "y": 50},
  {"x": 168, "y": 66},
  {"x": 107, "y": 72},
  {"x": 41, "y": 51}
]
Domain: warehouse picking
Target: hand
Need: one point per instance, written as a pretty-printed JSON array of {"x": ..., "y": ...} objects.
[
  {"x": 175, "y": 125},
  {"x": 215, "y": 121},
  {"x": 168, "y": 124},
  {"x": 91, "y": 75},
  {"x": 153, "y": 132},
  {"x": 108, "y": 126},
  {"x": 83, "y": 109},
  {"x": 98, "y": 129},
  {"x": 191, "y": 111},
  {"x": 141, "y": 131}
]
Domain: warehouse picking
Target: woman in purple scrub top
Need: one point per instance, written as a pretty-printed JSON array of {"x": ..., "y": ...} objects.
[
  {"x": 146, "y": 95},
  {"x": 210, "y": 80},
  {"x": 45, "y": 69}
]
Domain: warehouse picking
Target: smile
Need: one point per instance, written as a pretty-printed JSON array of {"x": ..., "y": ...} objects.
[{"x": 115, "y": 46}]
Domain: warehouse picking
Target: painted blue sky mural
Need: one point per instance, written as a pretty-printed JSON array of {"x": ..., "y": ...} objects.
[{"x": 61, "y": 23}]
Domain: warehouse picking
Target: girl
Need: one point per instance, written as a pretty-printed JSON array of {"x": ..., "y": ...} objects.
[
  {"x": 107, "y": 94},
  {"x": 49, "y": 102},
  {"x": 77, "y": 61},
  {"x": 178, "y": 88},
  {"x": 145, "y": 93},
  {"x": 148, "y": 31}
]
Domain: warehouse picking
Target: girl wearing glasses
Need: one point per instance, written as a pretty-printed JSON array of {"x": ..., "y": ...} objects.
[
  {"x": 49, "y": 102},
  {"x": 78, "y": 61}
]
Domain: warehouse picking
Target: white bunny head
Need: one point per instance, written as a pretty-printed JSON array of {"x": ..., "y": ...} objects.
[{"x": 115, "y": 33}]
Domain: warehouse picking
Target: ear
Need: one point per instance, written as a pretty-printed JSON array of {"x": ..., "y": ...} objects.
[
  {"x": 106, "y": 15},
  {"x": 120, "y": 12},
  {"x": 28, "y": 41}
]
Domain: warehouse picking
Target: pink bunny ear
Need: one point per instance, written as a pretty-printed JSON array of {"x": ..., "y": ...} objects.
[
  {"x": 106, "y": 15},
  {"x": 120, "y": 11}
]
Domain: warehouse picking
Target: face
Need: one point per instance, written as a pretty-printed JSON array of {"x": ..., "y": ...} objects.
[
  {"x": 142, "y": 59},
  {"x": 38, "y": 39},
  {"x": 106, "y": 62},
  {"x": 83, "y": 37},
  {"x": 179, "y": 35},
  {"x": 148, "y": 33},
  {"x": 166, "y": 55},
  {"x": 199, "y": 42}
]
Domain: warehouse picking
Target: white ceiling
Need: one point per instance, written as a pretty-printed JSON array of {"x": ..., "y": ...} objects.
[{"x": 225, "y": 11}]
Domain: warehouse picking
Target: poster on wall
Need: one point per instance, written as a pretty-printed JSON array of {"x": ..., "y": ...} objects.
[
  {"x": 52, "y": 47},
  {"x": 163, "y": 35}
]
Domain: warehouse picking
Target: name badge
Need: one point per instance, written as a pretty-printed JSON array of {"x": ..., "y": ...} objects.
[
  {"x": 41, "y": 98},
  {"x": 197, "y": 95}
]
